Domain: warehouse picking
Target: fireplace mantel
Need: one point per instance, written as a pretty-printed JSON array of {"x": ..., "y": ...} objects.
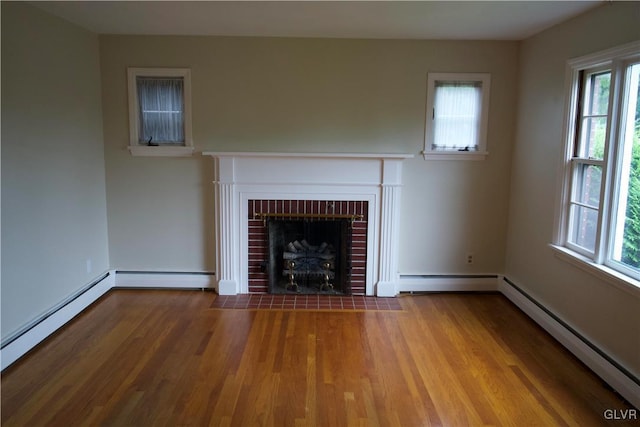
[
  {"x": 244, "y": 176},
  {"x": 309, "y": 155}
]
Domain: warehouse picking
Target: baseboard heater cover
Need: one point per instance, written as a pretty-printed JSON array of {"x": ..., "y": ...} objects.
[
  {"x": 26, "y": 338},
  {"x": 608, "y": 369},
  {"x": 448, "y": 283},
  {"x": 623, "y": 381},
  {"x": 165, "y": 279},
  {"x": 29, "y": 336}
]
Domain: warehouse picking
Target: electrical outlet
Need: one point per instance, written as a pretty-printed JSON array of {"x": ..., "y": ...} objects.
[
  {"x": 89, "y": 266},
  {"x": 469, "y": 258}
]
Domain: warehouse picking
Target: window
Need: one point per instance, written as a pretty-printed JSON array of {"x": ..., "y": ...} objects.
[
  {"x": 599, "y": 219},
  {"x": 160, "y": 111},
  {"x": 457, "y": 116},
  {"x": 588, "y": 158}
]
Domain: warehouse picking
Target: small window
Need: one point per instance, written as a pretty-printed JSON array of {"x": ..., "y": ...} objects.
[
  {"x": 160, "y": 111},
  {"x": 457, "y": 116}
]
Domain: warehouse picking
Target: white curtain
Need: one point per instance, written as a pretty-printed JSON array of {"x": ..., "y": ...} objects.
[
  {"x": 456, "y": 116},
  {"x": 161, "y": 110}
]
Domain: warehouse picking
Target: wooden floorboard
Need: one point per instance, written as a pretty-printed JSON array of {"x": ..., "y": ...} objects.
[{"x": 167, "y": 358}]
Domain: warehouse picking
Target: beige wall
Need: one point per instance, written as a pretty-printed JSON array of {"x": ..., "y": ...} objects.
[
  {"x": 53, "y": 185},
  {"x": 308, "y": 95},
  {"x": 606, "y": 315},
  {"x": 252, "y": 94}
]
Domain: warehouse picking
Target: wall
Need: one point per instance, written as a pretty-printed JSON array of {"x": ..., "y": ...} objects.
[
  {"x": 272, "y": 94},
  {"x": 307, "y": 95},
  {"x": 605, "y": 314},
  {"x": 53, "y": 185}
]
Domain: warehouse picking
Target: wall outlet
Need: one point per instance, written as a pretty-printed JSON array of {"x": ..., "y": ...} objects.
[
  {"x": 470, "y": 258},
  {"x": 89, "y": 266}
]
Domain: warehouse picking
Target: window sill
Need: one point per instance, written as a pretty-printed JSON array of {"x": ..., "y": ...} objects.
[
  {"x": 455, "y": 155},
  {"x": 160, "y": 151},
  {"x": 603, "y": 272}
]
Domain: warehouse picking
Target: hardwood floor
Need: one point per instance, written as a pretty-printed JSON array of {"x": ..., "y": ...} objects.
[{"x": 154, "y": 358}]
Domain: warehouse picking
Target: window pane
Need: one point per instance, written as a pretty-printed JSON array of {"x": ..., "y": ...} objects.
[
  {"x": 599, "y": 91},
  {"x": 457, "y": 107},
  {"x": 593, "y": 136},
  {"x": 584, "y": 223},
  {"x": 588, "y": 180},
  {"x": 593, "y": 117},
  {"x": 627, "y": 223},
  {"x": 161, "y": 109}
]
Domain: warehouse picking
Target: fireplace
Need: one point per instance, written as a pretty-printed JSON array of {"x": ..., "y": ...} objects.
[
  {"x": 252, "y": 190},
  {"x": 309, "y": 256},
  {"x": 308, "y": 233}
]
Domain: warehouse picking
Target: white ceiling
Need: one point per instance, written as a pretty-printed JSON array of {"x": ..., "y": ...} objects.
[{"x": 454, "y": 20}]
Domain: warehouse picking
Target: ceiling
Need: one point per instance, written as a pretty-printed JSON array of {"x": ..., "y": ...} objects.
[{"x": 451, "y": 20}]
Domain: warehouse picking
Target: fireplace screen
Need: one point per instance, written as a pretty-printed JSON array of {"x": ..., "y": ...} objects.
[{"x": 309, "y": 256}]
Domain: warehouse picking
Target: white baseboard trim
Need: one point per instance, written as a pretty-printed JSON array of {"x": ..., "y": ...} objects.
[
  {"x": 605, "y": 368},
  {"x": 39, "y": 329},
  {"x": 448, "y": 283},
  {"x": 170, "y": 280},
  {"x": 58, "y": 316}
]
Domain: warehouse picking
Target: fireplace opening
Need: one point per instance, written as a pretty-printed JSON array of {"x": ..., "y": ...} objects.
[
  {"x": 309, "y": 256},
  {"x": 349, "y": 276}
]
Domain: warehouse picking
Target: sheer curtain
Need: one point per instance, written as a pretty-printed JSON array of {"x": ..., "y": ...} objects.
[
  {"x": 456, "y": 115},
  {"x": 161, "y": 110}
]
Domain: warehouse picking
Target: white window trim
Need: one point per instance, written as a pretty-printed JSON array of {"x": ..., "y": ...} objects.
[
  {"x": 479, "y": 154},
  {"x": 135, "y": 147},
  {"x": 595, "y": 264},
  {"x": 159, "y": 151}
]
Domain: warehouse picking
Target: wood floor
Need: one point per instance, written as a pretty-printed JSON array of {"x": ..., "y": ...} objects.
[{"x": 166, "y": 358}]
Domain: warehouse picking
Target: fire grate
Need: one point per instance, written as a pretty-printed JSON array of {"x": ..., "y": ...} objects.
[{"x": 299, "y": 267}]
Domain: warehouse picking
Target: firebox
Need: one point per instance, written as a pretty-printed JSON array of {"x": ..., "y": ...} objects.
[
  {"x": 310, "y": 246},
  {"x": 309, "y": 256}
]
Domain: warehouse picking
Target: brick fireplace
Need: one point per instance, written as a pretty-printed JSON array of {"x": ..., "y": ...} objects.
[
  {"x": 365, "y": 186},
  {"x": 308, "y": 210}
]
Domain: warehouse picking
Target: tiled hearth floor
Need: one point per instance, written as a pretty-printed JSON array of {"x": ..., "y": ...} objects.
[{"x": 305, "y": 302}]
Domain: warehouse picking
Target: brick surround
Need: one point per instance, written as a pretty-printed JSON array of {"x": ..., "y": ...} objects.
[{"x": 258, "y": 245}]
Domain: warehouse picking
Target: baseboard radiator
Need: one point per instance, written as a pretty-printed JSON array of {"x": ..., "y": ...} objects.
[
  {"x": 416, "y": 283},
  {"x": 622, "y": 380},
  {"x": 29, "y": 336},
  {"x": 608, "y": 369},
  {"x": 134, "y": 279}
]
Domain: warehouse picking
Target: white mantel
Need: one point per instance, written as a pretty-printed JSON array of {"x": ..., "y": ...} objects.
[{"x": 244, "y": 176}]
